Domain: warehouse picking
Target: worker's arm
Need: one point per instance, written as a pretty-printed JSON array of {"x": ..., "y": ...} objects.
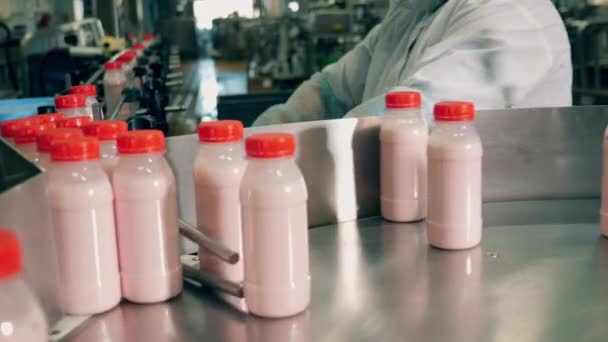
[
  {"x": 495, "y": 54},
  {"x": 316, "y": 99}
]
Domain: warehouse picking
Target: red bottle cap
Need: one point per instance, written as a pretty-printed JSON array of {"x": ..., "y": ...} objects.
[
  {"x": 46, "y": 139},
  {"x": 127, "y": 56},
  {"x": 403, "y": 100},
  {"x": 28, "y": 134},
  {"x": 141, "y": 141},
  {"x": 138, "y": 46},
  {"x": 10, "y": 254},
  {"x": 85, "y": 89},
  {"x": 50, "y": 117},
  {"x": 9, "y": 128},
  {"x": 75, "y": 149},
  {"x": 454, "y": 111},
  {"x": 74, "y": 122},
  {"x": 148, "y": 37},
  {"x": 112, "y": 65},
  {"x": 105, "y": 130},
  {"x": 270, "y": 145},
  {"x": 220, "y": 131},
  {"x": 70, "y": 101}
]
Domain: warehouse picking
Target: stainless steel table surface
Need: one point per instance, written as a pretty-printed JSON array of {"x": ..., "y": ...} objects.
[{"x": 380, "y": 281}]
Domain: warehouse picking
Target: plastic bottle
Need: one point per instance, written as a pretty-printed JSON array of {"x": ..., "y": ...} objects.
[
  {"x": 148, "y": 39},
  {"x": 21, "y": 315},
  {"x": 50, "y": 117},
  {"x": 10, "y": 127},
  {"x": 139, "y": 48},
  {"x": 404, "y": 138},
  {"x": 146, "y": 217},
  {"x": 106, "y": 132},
  {"x": 114, "y": 82},
  {"x": 72, "y": 105},
  {"x": 45, "y": 140},
  {"x": 25, "y": 140},
  {"x": 454, "y": 218},
  {"x": 218, "y": 169},
  {"x": 128, "y": 59},
  {"x": 275, "y": 228},
  {"x": 88, "y": 90},
  {"x": 74, "y": 122},
  {"x": 83, "y": 218}
]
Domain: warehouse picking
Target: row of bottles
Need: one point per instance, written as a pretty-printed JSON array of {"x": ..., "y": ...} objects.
[
  {"x": 256, "y": 206},
  {"x": 436, "y": 176}
]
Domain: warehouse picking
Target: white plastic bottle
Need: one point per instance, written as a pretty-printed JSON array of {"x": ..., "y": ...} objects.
[
  {"x": 83, "y": 218},
  {"x": 74, "y": 122},
  {"x": 275, "y": 228},
  {"x": 25, "y": 140},
  {"x": 114, "y": 82},
  {"x": 404, "y": 138},
  {"x": 21, "y": 315},
  {"x": 218, "y": 169},
  {"x": 454, "y": 218},
  {"x": 88, "y": 90},
  {"x": 146, "y": 218},
  {"x": 72, "y": 105},
  {"x": 106, "y": 131},
  {"x": 45, "y": 140}
]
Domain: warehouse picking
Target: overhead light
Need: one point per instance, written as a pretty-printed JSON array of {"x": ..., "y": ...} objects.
[{"x": 293, "y": 6}]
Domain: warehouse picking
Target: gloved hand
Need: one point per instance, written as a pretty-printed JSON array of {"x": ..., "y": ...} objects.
[{"x": 275, "y": 115}]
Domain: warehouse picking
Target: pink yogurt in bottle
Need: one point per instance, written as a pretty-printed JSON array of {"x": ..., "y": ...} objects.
[
  {"x": 45, "y": 140},
  {"x": 218, "y": 170},
  {"x": 83, "y": 218},
  {"x": 454, "y": 215},
  {"x": 72, "y": 105},
  {"x": 74, "y": 122},
  {"x": 90, "y": 92},
  {"x": 146, "y": 216},
  {"x": 114, "y": 82},
  {"x": 25, "y": 140},
  {"x": 275, "y": 228},
  {"x": 106, "y": 132},
  {"x": 403, "y": 144},
  {"x": 21, "y": 315}
]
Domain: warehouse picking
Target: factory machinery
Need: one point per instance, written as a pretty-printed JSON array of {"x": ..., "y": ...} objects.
[{"x": 290, "y": 41}]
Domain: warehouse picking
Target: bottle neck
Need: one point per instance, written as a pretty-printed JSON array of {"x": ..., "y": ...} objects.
[
  {"x": 454, "y": 124},
  {"x": 80, "y": 164},
  {"x": 152, "y": 157},
  {"x": 270, "y": 162},
  {"x": 410, "y": 112}
]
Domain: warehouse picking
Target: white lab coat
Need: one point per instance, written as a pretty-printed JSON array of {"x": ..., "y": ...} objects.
[{"x": 495, "y": 53}]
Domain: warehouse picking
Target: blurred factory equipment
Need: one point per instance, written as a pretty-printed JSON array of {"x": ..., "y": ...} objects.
[
  {"x": 587, "y": 25},
  {"x": 289, "y": 42}
]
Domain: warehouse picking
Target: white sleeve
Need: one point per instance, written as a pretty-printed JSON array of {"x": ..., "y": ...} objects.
[{"x": 493, "y": 53}]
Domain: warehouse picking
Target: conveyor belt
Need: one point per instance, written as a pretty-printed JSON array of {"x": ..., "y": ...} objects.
[{"x": 380, "y": 281}]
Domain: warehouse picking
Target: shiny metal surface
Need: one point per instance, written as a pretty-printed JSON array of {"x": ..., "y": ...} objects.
[
  {"x": 380, "y": 281},
  {"x": 529, "y": 154}
]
